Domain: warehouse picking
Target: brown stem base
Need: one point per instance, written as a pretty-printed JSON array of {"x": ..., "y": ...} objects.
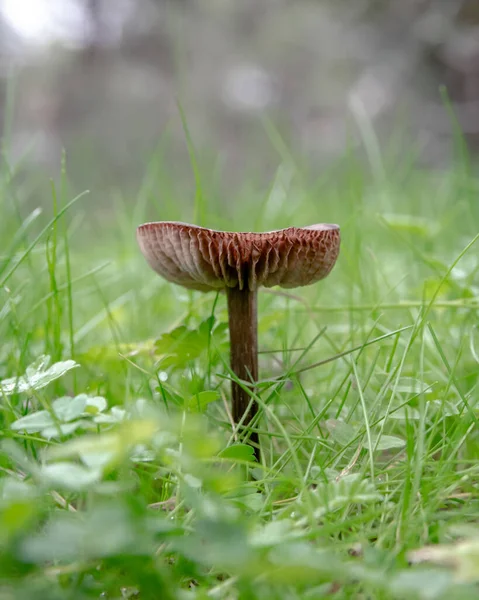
[{"x": 243, "y": 325}]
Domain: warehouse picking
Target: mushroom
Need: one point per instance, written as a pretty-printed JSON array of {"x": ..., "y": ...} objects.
[{"x": 239, "y": 263}]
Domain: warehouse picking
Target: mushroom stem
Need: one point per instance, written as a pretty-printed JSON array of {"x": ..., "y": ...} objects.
[{"x": 243, "y": 326}]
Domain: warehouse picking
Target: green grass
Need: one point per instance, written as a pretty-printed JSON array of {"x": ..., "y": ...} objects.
[{"x": 134, "y": 486}]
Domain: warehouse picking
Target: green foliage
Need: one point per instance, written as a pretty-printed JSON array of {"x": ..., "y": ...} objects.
[
  {"x": 38, "y": 375},
  {"x": 344, "y": 492},
  {"x": 182, "y": 346},
  {"x": 238, "y": 452},
  {"x": 66, "y": 416},
  {"x": 120, "y": 473}
]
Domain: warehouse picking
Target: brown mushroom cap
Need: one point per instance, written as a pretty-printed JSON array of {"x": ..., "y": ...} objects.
[{"x": 206, "y": 259}]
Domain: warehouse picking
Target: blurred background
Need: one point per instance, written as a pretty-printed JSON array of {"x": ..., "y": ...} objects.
[{"x": 102, "y": 79}]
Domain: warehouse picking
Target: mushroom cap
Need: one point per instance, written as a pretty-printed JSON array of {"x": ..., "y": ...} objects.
[{"x": 205, "y": 259}]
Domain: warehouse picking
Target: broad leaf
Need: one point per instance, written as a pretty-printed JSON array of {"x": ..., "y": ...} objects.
[
  {"x": 61, "y": 429},
  {"x": 34, "y": 423},
  {"x": 68, "y": 408},
  {"x": 69, "y": 475},
  {"x": 351, "y": 489},
  {"x": 386, "y": 442},
  {"x": 69, "y": 414},
  {"x": 95, "y": 404},
  {"x": 409, "y": 385},
  {"x": 341, "y": 432},
  {"x": 115, "y": 415},
  {"x": 37, "y": 376},
  {"x": 200, "y": 401},
  {"x": 240, "y": 452}
]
